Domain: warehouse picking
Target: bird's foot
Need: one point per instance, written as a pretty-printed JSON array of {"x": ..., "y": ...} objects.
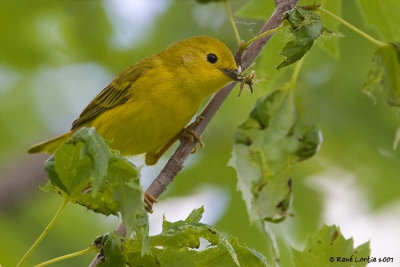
[
  {"x": 196, "y": 121},
  {"x": 149, "y": 200},
  {"x": 190, "y": 134}
]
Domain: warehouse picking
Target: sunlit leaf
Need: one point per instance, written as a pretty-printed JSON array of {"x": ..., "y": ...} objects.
[
  {"x": 306, "y": 28},
  {"x": 384, "y": 74},
  {"x": 178, "y": 241},
  {"x": 328, "y": 247},
  {"x": 141, "y": 233},
  {"x": 309, "y": 143},
  {"x": 195, "y": 215},
  {"x": 94, "y": 149},
  {"x": 328, "y": 41},
  {"x": 86, "y": 160},
  {"x": 111, "y": 245},
  {"x": 266, "y": 146}
]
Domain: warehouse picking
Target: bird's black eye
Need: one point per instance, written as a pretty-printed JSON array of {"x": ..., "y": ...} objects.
[{"x": 212, "y": 58}]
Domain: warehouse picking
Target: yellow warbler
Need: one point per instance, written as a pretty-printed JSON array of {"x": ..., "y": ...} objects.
[{"x": 148, "y": 104}]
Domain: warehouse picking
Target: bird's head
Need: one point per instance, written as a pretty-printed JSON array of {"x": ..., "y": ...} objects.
[{"x": 207, "y": 63}]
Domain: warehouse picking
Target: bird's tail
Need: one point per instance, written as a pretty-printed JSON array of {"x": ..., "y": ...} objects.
[{"x": 50, "y": 146}]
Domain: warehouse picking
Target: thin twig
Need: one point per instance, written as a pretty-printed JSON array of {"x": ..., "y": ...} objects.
[
  {"x": 68, "y": 256},
  {"x": 232, "y": 21},
  {"x": 354, "y": 29},
  {"x": 274, "y": 30},
  {"x": 296, "y": 71},
  {"x": 175, "y": 163},
  {"x": 44, "y": 233}
]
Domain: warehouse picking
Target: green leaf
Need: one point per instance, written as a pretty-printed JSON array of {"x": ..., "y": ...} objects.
[
  {"x": 214, "y": 256},
  {"x": 124, "y": 185},
  {"x": 142, "y": 231},
  {"x": 186, "y": 234},
  {"x": 182, "y": 257},
  {"x": 247, "y": 256},
  {"x": 195, "y": 215},
  {"x": 328, "y": 41},
  {"x": 306, "y": 28},
  {"x": 96, "y": 149},
  {"x": 111, "y": 245},
  {"x": 178, "y": 241},
  {"x": 256, "y": 9},
  {"x": 266, "y": 146},
  {"x": 86, "y": 158},
  {"x": 384, "y": 74},
  {"x": 309, "y": 143},
  {"x": 84, "y": 155},
  {"x": 328, "y": 247},
  {"x": 70, "y": 168},
  {"x": 383, "y": 16}
]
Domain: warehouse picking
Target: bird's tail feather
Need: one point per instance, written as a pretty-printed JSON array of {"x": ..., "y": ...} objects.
[{"x": 50, "y": 146}]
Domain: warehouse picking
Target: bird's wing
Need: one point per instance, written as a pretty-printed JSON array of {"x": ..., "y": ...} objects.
[{"x": 115, "y": 94}]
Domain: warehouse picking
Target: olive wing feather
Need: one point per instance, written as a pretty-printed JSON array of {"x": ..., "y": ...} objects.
[{"x": 115, "y": 94}]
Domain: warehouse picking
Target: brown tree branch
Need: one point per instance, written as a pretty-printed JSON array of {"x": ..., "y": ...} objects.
[{"x": 176, "y": 161}]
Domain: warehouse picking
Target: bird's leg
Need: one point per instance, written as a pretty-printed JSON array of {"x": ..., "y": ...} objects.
[
  {"x": 190, "y": 134},
  {"x": 187, "y": 132},
  {"x": 149, "y": 200},
  {"x": 152, "y": 158}
]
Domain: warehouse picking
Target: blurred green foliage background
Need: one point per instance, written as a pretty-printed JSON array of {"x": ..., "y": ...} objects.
[{"x": 55, "y": 56}]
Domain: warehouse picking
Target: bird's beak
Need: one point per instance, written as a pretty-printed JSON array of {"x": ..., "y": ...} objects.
[{"x": 231, "y": 73}]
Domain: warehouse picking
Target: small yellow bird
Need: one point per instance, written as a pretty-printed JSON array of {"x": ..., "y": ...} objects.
[{"x": 148, "y": 104}]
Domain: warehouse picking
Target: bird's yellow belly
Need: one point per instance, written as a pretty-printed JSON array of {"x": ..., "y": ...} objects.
[{"x": 136, "y": 128}]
